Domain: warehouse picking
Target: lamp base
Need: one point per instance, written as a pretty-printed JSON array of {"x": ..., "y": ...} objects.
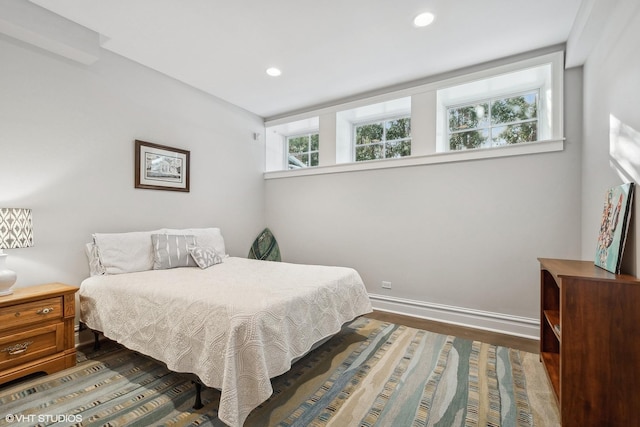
[{"x": 7, "y": 277}]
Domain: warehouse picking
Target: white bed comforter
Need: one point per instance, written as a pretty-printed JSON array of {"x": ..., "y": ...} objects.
[{"x": 235, "y": 325}]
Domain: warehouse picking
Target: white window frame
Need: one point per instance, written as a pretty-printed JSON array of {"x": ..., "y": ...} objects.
[
  {"x": 384, "y": 141},
  {"x": 309, "y": 150}
]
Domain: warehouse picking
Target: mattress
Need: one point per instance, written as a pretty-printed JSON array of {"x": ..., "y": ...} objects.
[{"x": 235, "y": 325}]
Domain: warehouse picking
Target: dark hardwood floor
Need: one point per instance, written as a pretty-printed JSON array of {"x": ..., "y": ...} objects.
[{"x": 489, "y": 337}]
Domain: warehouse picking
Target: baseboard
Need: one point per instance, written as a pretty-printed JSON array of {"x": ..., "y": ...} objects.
[{"x": 524, "y": 327}]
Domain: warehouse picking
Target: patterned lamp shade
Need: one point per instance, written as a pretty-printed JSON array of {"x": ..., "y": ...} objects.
[{"x": 16, "y": 228}]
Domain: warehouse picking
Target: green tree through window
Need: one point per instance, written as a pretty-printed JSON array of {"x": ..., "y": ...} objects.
[
  {"x": 303, "y": 150},
  {"x": 494, "y": 122},
  {"x": 383, "y": 139}
]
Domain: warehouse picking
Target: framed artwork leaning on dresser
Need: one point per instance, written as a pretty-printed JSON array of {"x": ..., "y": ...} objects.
[{"x": 613, "y": 227}]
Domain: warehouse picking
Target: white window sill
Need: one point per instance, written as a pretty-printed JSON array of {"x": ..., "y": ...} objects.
[{"x": 436, "y": 158}]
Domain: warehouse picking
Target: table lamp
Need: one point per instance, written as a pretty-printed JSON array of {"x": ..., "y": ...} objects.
[{"x": 16, "y": 231}]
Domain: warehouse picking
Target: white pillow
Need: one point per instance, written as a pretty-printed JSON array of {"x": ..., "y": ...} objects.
[
  {"x": 206, "y": 237},
  {"x": 125, "y": 252},
  {"x": 95, "y": 266}
]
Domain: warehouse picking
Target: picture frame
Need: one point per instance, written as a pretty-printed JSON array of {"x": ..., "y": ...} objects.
[
  {"x": 613, "y": 227},
  {"x": 160, "y": 167}
]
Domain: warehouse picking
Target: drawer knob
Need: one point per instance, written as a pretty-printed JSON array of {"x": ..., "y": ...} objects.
[
  {"x": 17, "y": 348},
  {"x": 45, "y": 310}
]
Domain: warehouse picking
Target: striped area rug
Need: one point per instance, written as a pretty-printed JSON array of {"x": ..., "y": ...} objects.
[{"x": 371, "y": 374}]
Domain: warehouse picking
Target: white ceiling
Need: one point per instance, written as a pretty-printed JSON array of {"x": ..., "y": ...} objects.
[{"x": 328, "y": 50}]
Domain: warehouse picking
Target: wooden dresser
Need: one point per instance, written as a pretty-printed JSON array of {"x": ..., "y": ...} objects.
[
  {"x": 37, "y": 330},
  {"x": 590, "y": 342}
]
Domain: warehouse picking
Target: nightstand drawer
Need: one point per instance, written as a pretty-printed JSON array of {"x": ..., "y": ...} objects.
[
  {"x": 30, "y": 345},
  {"x": 30, "y": 312},
  {"x": 36, "y": 330}
]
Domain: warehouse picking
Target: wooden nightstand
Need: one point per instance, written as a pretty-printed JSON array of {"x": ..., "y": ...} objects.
[{"x": 37, "y": 330}]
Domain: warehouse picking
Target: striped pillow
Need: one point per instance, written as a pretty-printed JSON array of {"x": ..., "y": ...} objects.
[{"x": 172, "y": 250}]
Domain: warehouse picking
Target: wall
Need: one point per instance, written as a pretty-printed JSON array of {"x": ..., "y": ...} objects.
[
  {"x": 458, "y": 237},
  {"x": 67, "y": 134},
  {"x": 612, "y": 123}
]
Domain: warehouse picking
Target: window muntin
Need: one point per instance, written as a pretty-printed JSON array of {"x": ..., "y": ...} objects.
[
  {"x": 494, "y": 122},
  {"x": 303, "y": 150},
  {"x": 383, "y": 139}
]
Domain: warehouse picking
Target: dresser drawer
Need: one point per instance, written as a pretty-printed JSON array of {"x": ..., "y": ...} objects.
[
  {"x": 29, "y": 313},
  {"x": 30, "y": 345}
]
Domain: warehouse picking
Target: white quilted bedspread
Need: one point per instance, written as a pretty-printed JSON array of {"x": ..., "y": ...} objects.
[{"x": 235, "y": 325}]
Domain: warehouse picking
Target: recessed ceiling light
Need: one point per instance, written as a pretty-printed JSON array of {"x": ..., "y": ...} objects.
[
  {"x": 274, "y": 72},
  {"x": 423, "y": 19}
]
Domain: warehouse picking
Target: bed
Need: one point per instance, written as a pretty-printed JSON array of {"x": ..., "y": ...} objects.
[{"x": 235, "y": 324}]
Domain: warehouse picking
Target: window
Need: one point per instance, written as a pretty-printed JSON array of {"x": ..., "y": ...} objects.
[
  {"x": 292, "y": 144},
  {"x": 302, "y": 150},
  {"x": 375, "y": 131},
  {"x": 494, "y": 122},
  {"x": 522, "y": 106},
  {"x": 383, "y": 139}
]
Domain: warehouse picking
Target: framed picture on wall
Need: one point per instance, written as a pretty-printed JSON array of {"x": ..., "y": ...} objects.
[
  {"x": 159, "y": 167},
  {"x": 613, "y": 227}
]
